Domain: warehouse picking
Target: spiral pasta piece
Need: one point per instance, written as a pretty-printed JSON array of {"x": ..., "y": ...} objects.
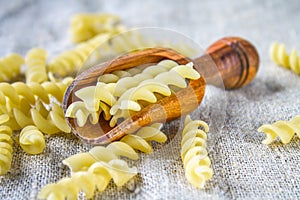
[
  {"x": 69, "y": 62},
  {"x": 145, "y": 90},
  {"x": 32, "y": 140},
  {"x": 193, "y": 152},
  {"x": 24, "y": 105},
  {"x": 36, "y": 66},
  {"x": 284, "y": 130},
  {"x": 32, "y": 91},
  {"x": 10, "y": 67},
  {"x": 93, "y": 170},
  {"x": 5, "y": 149},
  {"x": 86, "y": 26},
  {"x": 281, "y": 57}
]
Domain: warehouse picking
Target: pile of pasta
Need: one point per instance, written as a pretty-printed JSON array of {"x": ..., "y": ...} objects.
[
  {"x": 122, "y": 93},
  {"x": 31, "y": 93}
]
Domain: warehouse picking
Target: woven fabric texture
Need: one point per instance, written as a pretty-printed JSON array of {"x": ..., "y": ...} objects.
[{"x": 243, "y": 167}]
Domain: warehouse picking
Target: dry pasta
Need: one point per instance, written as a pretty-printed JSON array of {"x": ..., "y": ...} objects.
[
  {"x": 32, "y": 140},
  {"x": 5, "y": 149},
  {"x": 70, "y": 61},
  {"x": 34, "y": 104},
  {"x": 284, "y": 130},
  {"x": 35, "y": 62},
  {"x": 94, "y": 169},
  {"x": 281, "y": 57},
  {"x": 147, "y": 89},
  {"x": 193, "y": 152},
  {"x": 10, "y": 67},
  {"x": 86, "y": 26},
  {"x": 121, "y": 97}
]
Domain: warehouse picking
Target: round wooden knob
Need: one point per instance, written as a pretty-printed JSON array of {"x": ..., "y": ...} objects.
[{"x": 236, "y": 59}]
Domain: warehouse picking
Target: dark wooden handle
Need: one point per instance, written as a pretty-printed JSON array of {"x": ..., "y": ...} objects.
[{"x": 235, "y": 63}]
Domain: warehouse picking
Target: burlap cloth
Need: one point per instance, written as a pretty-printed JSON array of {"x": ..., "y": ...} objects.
[{"x": 243, "y": 167}]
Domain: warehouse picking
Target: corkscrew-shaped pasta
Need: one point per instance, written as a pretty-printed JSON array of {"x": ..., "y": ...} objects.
[
  {"x": 284, "y": 130},
  {"x": 10, "y": 67},
  {"x": 96, "y": 100},
  {"x": 281, "y": 57},
  {"x": 33, "y": 91},
  {"x": 193, "y": 152},
  {"x": 141, "y": 140},
  {"x": 94, "y": 169},
  {"x": 145, "y": 90},
  {"x": 69, "y": 62},
  {"x": 86, "y": 26},
  {"x": 32, "y": 140},
  {"x": 49, "y": 122},
  {"x": 35, "y": 62},
  {"x": 5, "y": 149}
]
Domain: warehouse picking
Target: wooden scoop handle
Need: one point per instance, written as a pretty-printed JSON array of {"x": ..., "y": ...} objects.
[
  {"x": 237, "y": 63},
  {"x": 236, "y": 59}
]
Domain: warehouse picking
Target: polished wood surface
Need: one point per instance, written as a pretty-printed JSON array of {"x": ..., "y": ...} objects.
[{"x": 232, "y": 61}]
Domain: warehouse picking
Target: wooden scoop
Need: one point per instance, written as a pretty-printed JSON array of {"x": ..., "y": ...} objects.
[{"x": 237, "y": 63}]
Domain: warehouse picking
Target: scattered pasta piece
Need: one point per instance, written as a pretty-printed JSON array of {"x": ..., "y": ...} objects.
[
  {"x": 10, "y": 67},
  {"x": 86, "y": 26},
  {"x": 5, "y": 149},
  {"x": 281, "y": 57},
  {"x": 193, "y": 152},
  {"x": 32, "y": 140},
  {"x": 69, "y": 62},
  {"x": 93, "y": 170},
  {"x": 284, "y": 130},
  {"x": 35, "y": 62}
]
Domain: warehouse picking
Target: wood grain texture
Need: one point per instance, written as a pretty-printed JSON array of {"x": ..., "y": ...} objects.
[{"x": 236, "y": 61}]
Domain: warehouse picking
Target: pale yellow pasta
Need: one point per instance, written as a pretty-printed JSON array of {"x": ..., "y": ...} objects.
[
  {"x": 96, "y": 100},
  {"x": 141, "y": 140},
  {"x": 35, "y": 64},
  {"x": 281, "y": 57},
  {"x": 33, "y": 91},
  {"x": 284, "y": 130},
  {"x": 10, "y": 67},
  {"x": 147, "y": 89},
  {"x": 85, "y": 26},
  {"x": 33, "y": 104},
  {"x": 93, "y": 170},
  {"x": 193, "y": 152},
  {"x": 5, "y": 149},
  {"x": 70, "y": 61},
  {"x": 32, "y": 140}
]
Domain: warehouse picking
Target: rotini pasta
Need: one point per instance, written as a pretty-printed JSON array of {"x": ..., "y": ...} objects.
[
  {"x": 284, "y": 130},
  {"x": 145, "y": 90},
  {"x": 10, "y": 67},
  {"x": 5, "y": 149},
  {"x": 94, "y": 169},
  {"x": 193, "y": 152},
  {"x": 35, "y": 62},
  {"x": 69, "y": 62},
  {"x": 32, "y": 140},
  {"x": 122, "y": 97},
  {"x": 86, "y": 26},
  {"x": 24, "y": 105},
  {"x": 281, "y": 57}
]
